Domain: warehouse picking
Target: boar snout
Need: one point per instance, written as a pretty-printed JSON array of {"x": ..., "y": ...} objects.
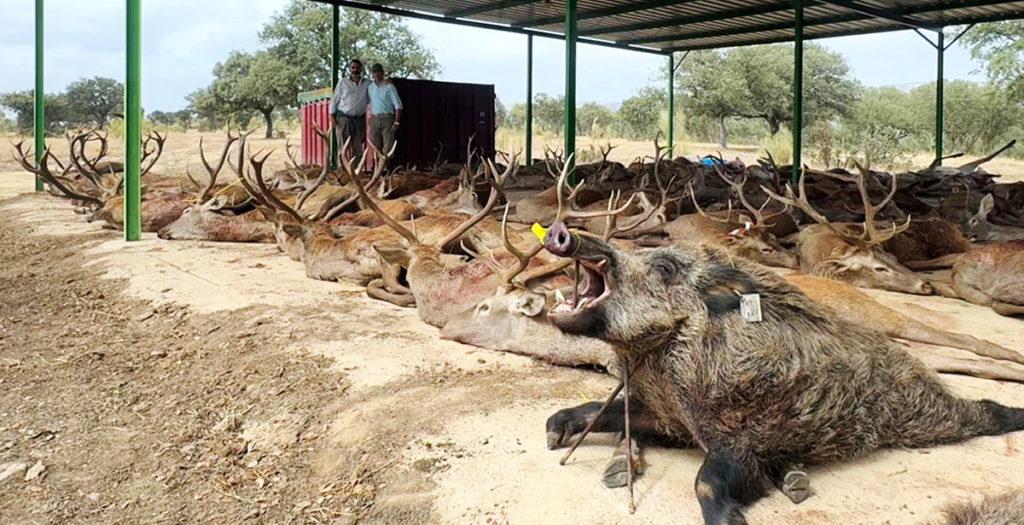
[{"x": 561, "y": 241}]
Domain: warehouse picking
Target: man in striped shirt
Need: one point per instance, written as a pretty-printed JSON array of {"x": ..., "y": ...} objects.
[{"x": 386, "y": 108}]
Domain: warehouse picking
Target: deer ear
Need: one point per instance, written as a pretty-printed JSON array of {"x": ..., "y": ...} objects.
[
  {"x": 393, "y": 253},
  {"x": 987, "y": 203},
  {"x": 528, "y": 304},
  {"x": 294, "y": 230}
]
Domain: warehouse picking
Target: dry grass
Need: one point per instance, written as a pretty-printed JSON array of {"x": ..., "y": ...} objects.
[{"x": 182, "y": 151}]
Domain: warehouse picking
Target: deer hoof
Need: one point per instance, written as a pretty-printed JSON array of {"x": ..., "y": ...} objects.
[{"x": 796, "y": 486}]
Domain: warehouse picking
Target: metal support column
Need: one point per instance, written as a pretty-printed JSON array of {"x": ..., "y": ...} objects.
[
  {"x": 132, "y": 122},
  {"x": 570, "y": 84},
  {"x": 798, "y": 87},
  {"x": 939, "y": 102},
  {"x": 671, "y": 105},
  {"x": 335, "y": 66},
  {"x": 529, "y": 100},
  {"x": 39, "y": 125}
]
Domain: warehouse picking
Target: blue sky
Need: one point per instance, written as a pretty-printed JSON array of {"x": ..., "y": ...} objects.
[{"x": 85, "y": 39}]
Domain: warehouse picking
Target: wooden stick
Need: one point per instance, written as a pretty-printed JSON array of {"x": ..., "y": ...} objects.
[
  {"x": 590, "y": 425},
  {"x": 629, "y": 441}
]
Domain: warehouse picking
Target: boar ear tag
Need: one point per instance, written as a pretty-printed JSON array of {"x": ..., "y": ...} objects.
[
  {"x": 750, "y": 307},
  {"x": 540, "y": 232}
]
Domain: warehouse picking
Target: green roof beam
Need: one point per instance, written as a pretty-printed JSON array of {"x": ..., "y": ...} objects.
[
  {"x": 133, "y": 121},
  {"x": 39, "y": 102}
]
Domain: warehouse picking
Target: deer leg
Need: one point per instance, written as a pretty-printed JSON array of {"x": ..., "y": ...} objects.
[
  {"x": 1007, "y": 309},
  {"x": 378, "y": 290},
  {"x": 724, "y": 485}
]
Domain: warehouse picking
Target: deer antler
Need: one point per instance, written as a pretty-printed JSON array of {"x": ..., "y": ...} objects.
[
  {"x": 353, "y": 173},
  {"x": 872, "y": 235},
  {"x": 760, "y": 221},
  {"x": 152, "y": 154},
  {"x": 497, "y": 185},
  {"x": 800, "y": 201},
  {"x": 264, "y": 193},
  {"x": 43, "y": 171},
  {"x": 214, "y": 171}
]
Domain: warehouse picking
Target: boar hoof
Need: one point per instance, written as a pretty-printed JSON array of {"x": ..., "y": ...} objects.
[
  {"x": 615, "y": 474},
  {"x": 568, "y": 422},
  {"x": 796, "y": 486}
]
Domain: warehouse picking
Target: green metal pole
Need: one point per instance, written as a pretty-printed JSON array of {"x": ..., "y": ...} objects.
[
  {"x": 39, "y": 126},
  {"x": 570, "y": 84},
  {"x": 335, "y": 66},
  {"x": 798, "y": 88},
  {"x": 939, "y": 102},
  {"x": 671, "y": 105},
  {"x": 132, "y": 123},
  {"x": 529, "y": 99}
]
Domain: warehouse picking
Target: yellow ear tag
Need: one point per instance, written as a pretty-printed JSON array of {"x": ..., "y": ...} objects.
[{"x": 540, "y": 232}]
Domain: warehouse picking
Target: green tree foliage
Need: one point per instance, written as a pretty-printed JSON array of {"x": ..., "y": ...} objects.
[
  {"x": 757, "y": 82},
  {"x": 548, "y": 113},
  {"x": 708, "y": 91},
  {"x": 59, "y": 113},
  {"x": 639, "y": 117},
  {"x": 301, "y": 36},
  {"x": 594, "y": 120},
  {"x": 500, "y": 113},
  {"x": 1001, "y": 46},
  {"x": 516, "y": 117},
  {"x": 978, "y": 117},
  {"x": 259, "y": 82},
  {"x": 96, "y": 99}
]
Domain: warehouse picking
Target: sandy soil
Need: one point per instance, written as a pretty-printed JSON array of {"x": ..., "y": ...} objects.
[{"x": 198, "y": 382}]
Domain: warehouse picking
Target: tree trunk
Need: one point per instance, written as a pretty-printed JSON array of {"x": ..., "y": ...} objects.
[
  {"x": 722, "y": 136},
  {"x": 270, "y": 123},
  {"x": 774, "y": 125}
]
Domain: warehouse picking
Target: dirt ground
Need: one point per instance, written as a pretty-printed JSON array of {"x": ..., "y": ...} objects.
[{"x": 162, "y": 382}]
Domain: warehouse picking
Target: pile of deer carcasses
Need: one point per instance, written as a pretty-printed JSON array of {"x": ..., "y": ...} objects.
[{"x": 455, "y": 241}]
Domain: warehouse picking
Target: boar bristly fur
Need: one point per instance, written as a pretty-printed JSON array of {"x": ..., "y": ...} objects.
[{"x": 799, "y": 387}]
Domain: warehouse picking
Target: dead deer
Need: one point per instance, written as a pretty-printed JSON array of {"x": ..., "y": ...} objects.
[
  {"x": 980, "y": 229},
  {"x": 160, "y": 205},
  {"x": 847, "y": 252},
  {"x": 857, "y": 307},
  {"x": 743, "y": 234},
  {"x": 990, "y": 275}
]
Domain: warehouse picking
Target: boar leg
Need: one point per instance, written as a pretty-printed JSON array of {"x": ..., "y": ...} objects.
[
  {"x": 724, "y": 485},
  {"x": 794, "y": 483},
  {"x": 615, "y": 473},
  {"x": 565, "y": 424}
]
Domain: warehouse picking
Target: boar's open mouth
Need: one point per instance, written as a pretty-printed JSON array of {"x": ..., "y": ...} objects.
[{"x": 596, "y": 288}]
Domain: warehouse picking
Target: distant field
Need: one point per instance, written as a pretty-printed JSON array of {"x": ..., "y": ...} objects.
[{"x": 181, "y": 151}]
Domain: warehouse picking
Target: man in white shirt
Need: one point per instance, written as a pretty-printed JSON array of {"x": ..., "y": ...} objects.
[{"x": 348, "y": 109}]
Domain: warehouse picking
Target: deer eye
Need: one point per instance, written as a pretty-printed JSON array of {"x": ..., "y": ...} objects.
[
  {"x": 881, "y": 269},
  {"x": 767, "y": 250},
  {"x": 483, "y": 309}
]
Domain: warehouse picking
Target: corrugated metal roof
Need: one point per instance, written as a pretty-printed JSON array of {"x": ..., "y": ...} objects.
[{"x": 678, "y": 25}]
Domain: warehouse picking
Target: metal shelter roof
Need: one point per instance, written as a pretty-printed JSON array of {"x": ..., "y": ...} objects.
[{"x": 664, "y": 26}]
